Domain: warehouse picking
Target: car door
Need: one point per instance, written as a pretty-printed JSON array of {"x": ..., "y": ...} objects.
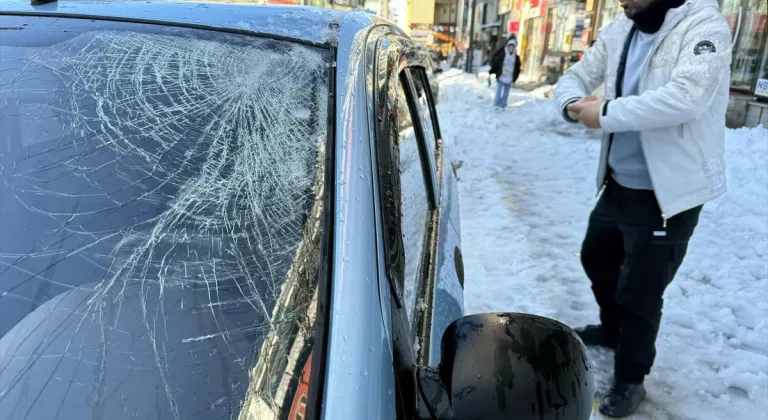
[
  {"x": 407, "y": 157},
  {"x": 408, "y": 202}
]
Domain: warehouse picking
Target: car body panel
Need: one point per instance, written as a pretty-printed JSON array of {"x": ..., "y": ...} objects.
[
  {"x": 448, "y": 291},
  {"x": 372, "y": 49},
  {"x": 359, "y": 382},
  {"x": 446, "y": 301}
]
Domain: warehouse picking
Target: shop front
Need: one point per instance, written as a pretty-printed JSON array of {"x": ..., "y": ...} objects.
[
  {"x": 748, "y": 20},
  {"x": 533, "y": 44},
  {"x": 568, "y": 30},
  {"x": 761, "y": 87},
  {"x": 444, "y": 41},
  {"x": 422, "y": 33},
  {"x": 513, "y": 19},
  {"x": 607, "y": 11}
]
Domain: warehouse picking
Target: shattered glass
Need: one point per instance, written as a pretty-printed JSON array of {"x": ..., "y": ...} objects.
[{"x": 161, "y": 202}]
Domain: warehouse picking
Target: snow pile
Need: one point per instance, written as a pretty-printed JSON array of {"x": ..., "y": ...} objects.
[{"x": 527, "y": 187}]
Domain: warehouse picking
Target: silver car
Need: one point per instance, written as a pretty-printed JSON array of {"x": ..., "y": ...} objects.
[{"x": 219, "y": 211}]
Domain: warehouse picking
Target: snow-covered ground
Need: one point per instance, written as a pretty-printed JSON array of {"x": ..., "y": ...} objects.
[{"x": 527, "y": 187}]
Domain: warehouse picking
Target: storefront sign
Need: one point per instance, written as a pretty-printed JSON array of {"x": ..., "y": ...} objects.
[
  {"x": 515, "y": 16},
  {"x": 536, "y": 8},
  {"x": 444, "y": 28},
  {"x": 421, "y": 35},
  {"x": 517, "y": 11},
  {"x": 762, "y": 88}
]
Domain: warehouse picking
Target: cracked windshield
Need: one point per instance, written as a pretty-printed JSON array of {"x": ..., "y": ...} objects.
[{"x": 160, "y": 220}]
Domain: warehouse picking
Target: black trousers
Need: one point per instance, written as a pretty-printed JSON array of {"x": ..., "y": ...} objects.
[{"x": 630, "y": 258}]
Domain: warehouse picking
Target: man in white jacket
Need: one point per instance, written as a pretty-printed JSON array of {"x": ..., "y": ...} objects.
[{"x": 666, "y": 69}]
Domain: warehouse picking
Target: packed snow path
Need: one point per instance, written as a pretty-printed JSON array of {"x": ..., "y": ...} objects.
[{"x": 526, "y": 181}]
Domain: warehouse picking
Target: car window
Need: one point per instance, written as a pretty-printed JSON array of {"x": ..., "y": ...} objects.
[
  {"x": 161, "y": 206},
  {"x": 415, "y": 203},
  {"x": 421, "y": 85}
]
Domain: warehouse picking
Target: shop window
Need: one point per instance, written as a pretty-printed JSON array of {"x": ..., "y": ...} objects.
[
  {"x": 748, "y": 42},
  {"x": 761, "y": 87},
  {"x": 609, "y": 10}
]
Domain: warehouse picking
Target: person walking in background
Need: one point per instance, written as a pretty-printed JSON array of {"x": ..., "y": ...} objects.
[
  {"x": 507, "y": 74},
  {"x": 666, "y": 68},
  {"x": 496, "y": 58}
]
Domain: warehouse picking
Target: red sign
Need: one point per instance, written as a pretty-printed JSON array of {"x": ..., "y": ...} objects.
[
  {"x": 299, "y": 406},
  {"x": 761, "y": 22},
  {"x": 513, "y": 27}
]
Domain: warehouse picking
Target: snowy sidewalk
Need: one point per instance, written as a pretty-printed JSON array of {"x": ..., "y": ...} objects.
[{"x": 527, "y": 187}]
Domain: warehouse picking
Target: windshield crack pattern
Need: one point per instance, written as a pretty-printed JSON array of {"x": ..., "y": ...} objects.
[{"x": 223, "y": 138}]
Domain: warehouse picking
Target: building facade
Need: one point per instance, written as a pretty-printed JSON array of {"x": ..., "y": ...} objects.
[
  {"x": 445, "y": 30},
  {"x": 554, "y": 34},
  {"x": 749, "y": 70}
]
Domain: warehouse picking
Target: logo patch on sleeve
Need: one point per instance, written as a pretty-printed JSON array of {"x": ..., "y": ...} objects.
[{"x": 704, "y": 47}]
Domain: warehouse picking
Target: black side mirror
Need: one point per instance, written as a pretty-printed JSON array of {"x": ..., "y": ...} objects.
[{"x": 509, "y": 366}]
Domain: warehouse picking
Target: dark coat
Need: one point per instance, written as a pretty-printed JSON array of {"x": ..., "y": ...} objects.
[{"x": 497, "y": 63}]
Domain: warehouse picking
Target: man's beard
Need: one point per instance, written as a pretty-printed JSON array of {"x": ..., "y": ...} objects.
[
  {"x": 632, "y": 11},
  {"x": 650, "y": 17}
]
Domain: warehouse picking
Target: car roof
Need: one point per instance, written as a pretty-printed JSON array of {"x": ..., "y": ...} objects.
[{"x": 308, "y": 24}]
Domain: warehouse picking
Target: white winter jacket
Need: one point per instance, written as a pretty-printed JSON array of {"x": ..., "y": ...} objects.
[
  {"x": 508, "y": 68},
  {"x": 680, "y": 106}
]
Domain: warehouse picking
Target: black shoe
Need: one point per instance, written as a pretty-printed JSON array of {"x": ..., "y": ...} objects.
[
  {"x": 622, "y": 400},
  {"x": 593, "y": 335}
]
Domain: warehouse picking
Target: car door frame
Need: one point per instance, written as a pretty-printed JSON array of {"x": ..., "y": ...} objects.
[
  {"x": 444, "y": 286},
  {"x": 406, "y": 357}
]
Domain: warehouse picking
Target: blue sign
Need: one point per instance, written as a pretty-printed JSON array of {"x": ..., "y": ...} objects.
[{"x": 762, "y": 87}]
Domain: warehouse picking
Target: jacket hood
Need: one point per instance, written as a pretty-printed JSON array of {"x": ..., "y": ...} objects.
[
  {"x": 510, "y": 42},
  {"x": 674, "y": 16},
  {"x": 696, "y": 5},
  {"x": 692, "y": 6}
]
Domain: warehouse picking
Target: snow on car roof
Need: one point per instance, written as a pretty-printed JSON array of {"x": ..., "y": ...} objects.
[{"x": 308, "y": 24}]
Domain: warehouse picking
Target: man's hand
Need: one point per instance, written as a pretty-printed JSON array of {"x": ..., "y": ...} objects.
[
  {"x": 587, "y": 111},
  {"x": 572, "y": 110}
]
